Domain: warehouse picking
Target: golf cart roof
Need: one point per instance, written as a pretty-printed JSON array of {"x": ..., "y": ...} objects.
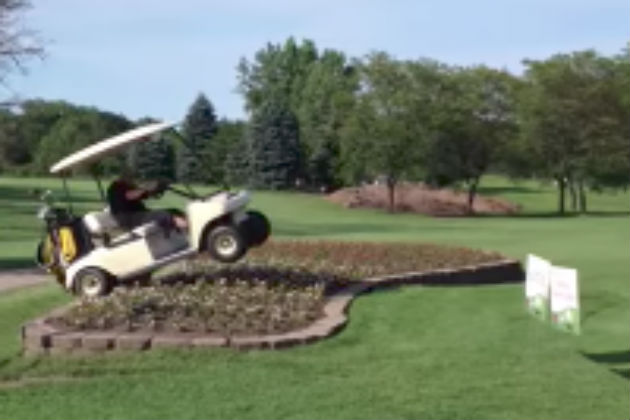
[{"x": 108, "y": 146}]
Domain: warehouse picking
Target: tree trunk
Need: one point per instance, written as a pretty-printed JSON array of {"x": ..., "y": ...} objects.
[
  {"x": 582, "y": 195},
  {"x": 472, "y": 191},
  {"x": 391, "y": 186},
  {"x": 561, "y": 188},
  {"x": 572, "y": 194}
]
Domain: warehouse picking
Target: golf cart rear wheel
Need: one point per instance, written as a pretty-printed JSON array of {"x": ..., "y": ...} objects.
[
  {"x": 257, "y": 228},
  {"x": 92, "y": 282},
  {"x": 225, "y": 243}
]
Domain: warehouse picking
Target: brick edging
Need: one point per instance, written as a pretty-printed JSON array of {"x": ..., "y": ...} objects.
[{"x": 40, "y": 338}]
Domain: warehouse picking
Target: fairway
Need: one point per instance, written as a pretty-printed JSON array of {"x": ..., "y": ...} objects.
[{"x": 465, "y": 352}]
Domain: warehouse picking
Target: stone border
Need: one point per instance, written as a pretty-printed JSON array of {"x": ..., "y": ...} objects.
[{"x": 40, "y": 338}]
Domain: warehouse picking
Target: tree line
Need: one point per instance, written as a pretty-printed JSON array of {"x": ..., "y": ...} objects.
[{"x": 320, "y": 120}]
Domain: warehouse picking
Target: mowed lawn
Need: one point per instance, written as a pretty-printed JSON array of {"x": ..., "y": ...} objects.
[{"x": 443, "y": 353}]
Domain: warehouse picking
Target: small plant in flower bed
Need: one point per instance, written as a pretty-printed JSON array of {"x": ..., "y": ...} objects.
[
  {"x": 226, "y": 307},
  {"x": 342, "y": 261}
]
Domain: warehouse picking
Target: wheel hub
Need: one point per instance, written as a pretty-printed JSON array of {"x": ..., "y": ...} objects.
[
  {"x": 226, "y": 245},
  {"x": 91, "y": 285}
]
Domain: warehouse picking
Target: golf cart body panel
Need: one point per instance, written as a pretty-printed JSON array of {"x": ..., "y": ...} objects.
[
  {"x": 202, "y": 212},
  {"x": 218, "y": 223},
  {"x": 108, "y": 146},
  {"x": 139, "y": 251}
]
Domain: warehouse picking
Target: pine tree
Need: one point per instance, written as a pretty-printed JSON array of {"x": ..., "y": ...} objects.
[
  {"x": 196, "y": 161},
  {"x": 274, "y": 148},
  {"x": 153, "y": 159},
  {"x": 237, "y": 163}
]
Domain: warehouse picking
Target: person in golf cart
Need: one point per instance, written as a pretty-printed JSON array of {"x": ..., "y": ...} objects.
[{"x": 125, "y": 200}]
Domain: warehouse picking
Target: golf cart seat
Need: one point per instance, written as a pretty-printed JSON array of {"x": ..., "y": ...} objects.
[{"x": 103, "y": 225}]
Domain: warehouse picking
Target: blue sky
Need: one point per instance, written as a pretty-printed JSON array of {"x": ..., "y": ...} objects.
[{"x": 151, "y": 58}]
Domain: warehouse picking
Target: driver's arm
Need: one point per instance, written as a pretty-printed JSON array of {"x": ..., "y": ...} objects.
[{"x": 136, "y": 194}]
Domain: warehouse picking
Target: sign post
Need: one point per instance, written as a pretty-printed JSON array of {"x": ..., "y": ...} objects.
[
  {"x": 565, "y": 300},
  {"x": 537, "y": 286}
]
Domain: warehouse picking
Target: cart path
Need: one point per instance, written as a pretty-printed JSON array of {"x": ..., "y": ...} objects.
[{"x": 24, "y": 277}]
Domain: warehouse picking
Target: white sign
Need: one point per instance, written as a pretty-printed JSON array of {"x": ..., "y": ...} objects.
[
  {"x": 565, "y": 299},
  {"x": 537, "y": 282}
]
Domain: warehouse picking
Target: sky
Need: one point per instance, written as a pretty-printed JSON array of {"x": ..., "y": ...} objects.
[{"x": 151, "y": 58}]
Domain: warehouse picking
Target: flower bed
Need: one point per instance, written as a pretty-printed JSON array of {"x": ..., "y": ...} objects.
[
  {"x": 277, "y": 288},
  {"x": 347, "y": 261},
  {"x": 225, "y": 307}
]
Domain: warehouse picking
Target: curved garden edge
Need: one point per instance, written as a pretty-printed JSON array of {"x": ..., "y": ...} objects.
[{"x": 41, "y": 338}]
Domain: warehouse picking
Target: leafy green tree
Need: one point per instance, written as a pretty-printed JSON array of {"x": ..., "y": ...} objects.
[
  {"x": 277, "y": 70},
  {"x": 20, "y": 133},
  {"x": 13, "y": 151},
  {"x": 474, "y": 119},
  {"x": 76, "y": 131},
  {"x": 574, "y": 121},
  {"x": 609, "y": 163},
  {"x": 327, "y": 101},
  {"x": 274, "y": 148},
  {"x": 197, "y": 161},
  {"x": 379, "y": 139},
  {"x": 296, "y": 75}
]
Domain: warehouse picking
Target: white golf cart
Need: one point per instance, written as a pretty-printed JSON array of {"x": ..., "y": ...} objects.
[{"x": 89, "y": 254}]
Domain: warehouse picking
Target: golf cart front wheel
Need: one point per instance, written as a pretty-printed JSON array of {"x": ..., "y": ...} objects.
[
  {"x": 92, "y": 282},
  {"x": 225, "y": 244},
  {"x": 257, "y": 228}
]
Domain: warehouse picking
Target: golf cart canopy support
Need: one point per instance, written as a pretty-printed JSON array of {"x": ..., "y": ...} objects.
[{"x": 108, "y": 146}]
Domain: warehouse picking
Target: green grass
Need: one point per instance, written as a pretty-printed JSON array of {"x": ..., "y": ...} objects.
[{"x": 410, "y": 353}]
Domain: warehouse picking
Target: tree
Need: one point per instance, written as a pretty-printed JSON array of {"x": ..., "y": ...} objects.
[
  {"x": 20, "y": 133},
  {"x": 284, "y": 71},
  {"x": 379, "y": 137},
  {"x": 327, "y": 101},
  {"x": 75, "y": 131},
  {"x": 609, "y": 162},
  {"x": 197, "y": 161},
  {"x": 474, "y": 118},
  {"x": 153, "y": 159},
  {"x": 274, "y": 148},
  {"x": 231, "y": 148},
  {"x": 277, "y": 70},
  {"x": 13, "y": 151},
  {"x": 17, "y": 44},
  {"x": 574, "y": 121}
]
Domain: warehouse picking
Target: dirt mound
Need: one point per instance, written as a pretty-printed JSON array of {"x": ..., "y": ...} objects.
[{"x": 419, "y": 198}]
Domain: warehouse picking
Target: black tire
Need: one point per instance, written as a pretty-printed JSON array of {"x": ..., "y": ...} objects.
[
  {"x": 256, "y": 228},
  {"x": 226, "y": 244},
  {"x": 92, "y": 282}
]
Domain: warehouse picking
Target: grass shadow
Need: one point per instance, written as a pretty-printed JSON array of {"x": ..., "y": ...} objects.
[
  {"x": 624, "y": 373},
  {"x": 607, "y": 213},
  {"x": 508, "y": 190},
  {"x": 33, "y": 194},
  {"x": 17, "y": 262},
  {"x": 615, "y": 357},
  {"x": 612, "y": 360},
  {"x": 547, "y": 215}
]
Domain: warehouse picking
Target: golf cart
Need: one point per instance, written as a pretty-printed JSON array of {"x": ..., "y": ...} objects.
[{"x": 90, "y": 253}]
